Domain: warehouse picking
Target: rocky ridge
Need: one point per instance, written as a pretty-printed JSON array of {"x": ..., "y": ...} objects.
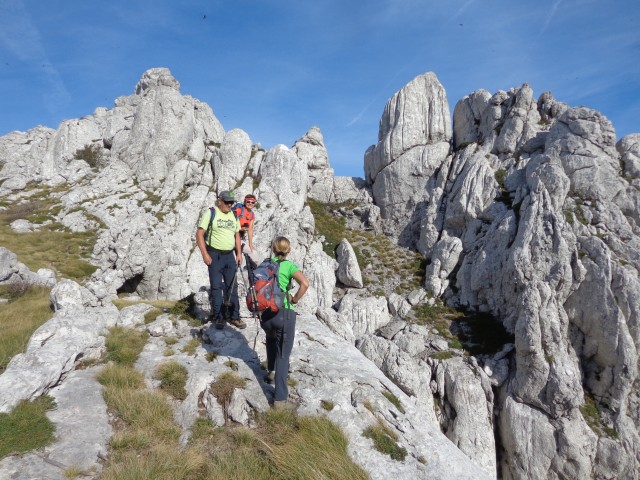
[{"x": 525, "y": 209}]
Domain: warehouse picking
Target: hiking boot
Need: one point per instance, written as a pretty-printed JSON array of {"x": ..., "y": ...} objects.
[
  {"x": 238, "y": 323},
  {"x": 219, "y": 324},
  {"x": 270, "y": 377}
]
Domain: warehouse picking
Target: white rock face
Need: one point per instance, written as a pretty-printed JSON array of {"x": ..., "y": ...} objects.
[
  {"x": 348, "y": 269},
  {"x": 469, "y": 401},
  {"x": 231, "y": 160},
  {"x": 414, "y": 136},
  {"x": 363, "y": 314},
  {"x": 12, "y": 271},
  {"x": 52, "y": 352},
  {"x": 629, "y": 149}
]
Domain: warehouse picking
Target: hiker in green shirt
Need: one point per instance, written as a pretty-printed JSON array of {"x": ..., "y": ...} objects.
[
  {"x": 217, "y": 238},
  {"x": 281, "y": 327}
]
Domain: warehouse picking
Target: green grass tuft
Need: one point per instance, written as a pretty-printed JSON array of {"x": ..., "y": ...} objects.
[
  {"x": 394, "y": 400},
  {"x": 27, "y": 310},
  {"x": 173, "y": 378},
  {"x": 328, "y": 405},
  {"x": 151, "y": 316},
  {"x": 124, "y": 345},
  {"x": 121, "y": 377},
  {"x": 384, "y": 440},
  {"x": 26, "y": 427}
]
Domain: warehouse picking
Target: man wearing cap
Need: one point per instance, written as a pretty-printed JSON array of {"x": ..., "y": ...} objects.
[{"x": 217, "y": 239}]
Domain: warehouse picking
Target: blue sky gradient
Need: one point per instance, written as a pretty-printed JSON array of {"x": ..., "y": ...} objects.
[{"x": 276, "y": 67}]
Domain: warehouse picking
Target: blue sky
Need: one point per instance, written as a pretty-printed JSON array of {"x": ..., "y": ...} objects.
[{"x": 276, "y": 67}]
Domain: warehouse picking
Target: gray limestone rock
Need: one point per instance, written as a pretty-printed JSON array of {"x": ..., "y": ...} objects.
[
  {"x": 82, "y": 432},
  {"x": 363, "y": 314},
  {"x": 230, "y": 161},
  {"x": 348, "y": 269},
  {"x": 467, "y": 400},
  {"x": 398, "y": 305},
  {"x": 52, "y": 352},
  {"x": 629, "y": 149},
  {"x": 413, "y": 141}
]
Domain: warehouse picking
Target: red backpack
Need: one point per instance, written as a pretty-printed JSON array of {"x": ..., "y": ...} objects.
[{"x": 265, "y": 292}]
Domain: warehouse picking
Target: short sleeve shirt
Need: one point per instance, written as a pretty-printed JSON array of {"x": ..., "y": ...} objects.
[
  {"x": 285, "y": 274},
  {"x": 223, "y": 229}
]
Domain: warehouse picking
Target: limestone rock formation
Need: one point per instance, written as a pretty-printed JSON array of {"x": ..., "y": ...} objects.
[
  {"x": 323, "y": 185},
  {"x": 414, "y": 139},
  {"x": 14, "y": 272},
  {"x": 348, "y": 270},
  {"x": 525, "y": 210}
]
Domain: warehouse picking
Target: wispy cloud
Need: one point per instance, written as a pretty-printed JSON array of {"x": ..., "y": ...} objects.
[
  {"x": 550, "y": 14},
  {"x": 462, "y": 9},
  {"x": 376, "y": 97},
  {"x": 21, "y": 38},
  {"x": 357, "y": 118}
]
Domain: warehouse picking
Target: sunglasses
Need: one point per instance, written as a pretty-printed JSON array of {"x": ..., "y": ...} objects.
[
  {"x": 250, "y": 202},
  {"x": 228, "y": 203}
]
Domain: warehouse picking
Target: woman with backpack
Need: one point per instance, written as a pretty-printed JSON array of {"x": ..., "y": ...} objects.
[{"x": 280, "y": 327}]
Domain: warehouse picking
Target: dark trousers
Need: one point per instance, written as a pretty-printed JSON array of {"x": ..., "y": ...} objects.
[
  {"x": 280, "y": 330},
  {"x": 221, "y": 272}
]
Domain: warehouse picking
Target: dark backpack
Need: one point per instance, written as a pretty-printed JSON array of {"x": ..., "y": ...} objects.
[{"x": 265, "y": 292}]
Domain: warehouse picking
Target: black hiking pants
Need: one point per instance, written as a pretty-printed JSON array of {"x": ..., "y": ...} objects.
[
  {"x": 223, "y": 287},
  {"x": 280, "y": 330}
]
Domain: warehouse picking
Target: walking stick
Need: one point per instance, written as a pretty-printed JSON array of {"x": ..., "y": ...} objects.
[{"x": 251, "y": 291}]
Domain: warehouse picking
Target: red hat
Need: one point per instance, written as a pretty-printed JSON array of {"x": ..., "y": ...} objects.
[{"x": 250, "y": 196}]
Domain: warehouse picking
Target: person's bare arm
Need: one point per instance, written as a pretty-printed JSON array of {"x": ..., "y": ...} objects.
[
  {"x": 250, "y": 235},
  {"x": 238, "y": 249},
  {"x": 304, "y": 285},
  {"x": 206, "y": 258}
]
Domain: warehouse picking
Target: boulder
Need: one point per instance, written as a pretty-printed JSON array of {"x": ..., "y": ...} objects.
[{"x": 348, "y": 269}]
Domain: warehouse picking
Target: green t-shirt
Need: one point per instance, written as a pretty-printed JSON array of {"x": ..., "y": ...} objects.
[
  {"x": 285, "y": 274},
  {"x": 223, "y": 230}
]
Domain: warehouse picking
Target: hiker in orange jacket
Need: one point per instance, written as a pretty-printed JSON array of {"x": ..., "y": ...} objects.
[{"x": 246, "y": 216}]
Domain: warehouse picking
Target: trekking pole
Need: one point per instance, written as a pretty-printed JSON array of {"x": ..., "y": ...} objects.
[
  {"x": 227, "y": 302},
  {"x": 251, "y": 291}
]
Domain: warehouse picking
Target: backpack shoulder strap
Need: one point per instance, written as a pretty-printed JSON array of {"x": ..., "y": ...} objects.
[{"x": 210, "y": 227}]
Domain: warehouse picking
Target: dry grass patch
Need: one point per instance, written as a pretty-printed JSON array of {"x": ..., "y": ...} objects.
[
  {"x": 144, "y": 409},
  {"x": 123, "y": 301},
  {"x": 53, "y": 247},
  {"x": 121, "y": 377},
  {"x": 125, "y": 344},
  {"x": 151, "y": 315},
  {"x": 222, "y": 388},
  {"x": 161, "y": 462},
  {"x": 282, "y": 446},
  {"x": 370, "y": 248},
  {"x": 313, "y": 444},
  {"x": 20, "y": 318},
  {"x": 394, "y": 400},
  {"x": 191, "y": 346}
]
